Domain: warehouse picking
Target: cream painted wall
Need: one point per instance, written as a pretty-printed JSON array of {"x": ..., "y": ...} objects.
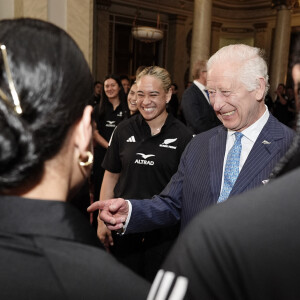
[
  {"x": 31, "y": 8},
  {"x": 80, "y": 25},
  {"x": 6, "y": 9},
  {"x": 74, "y": 16},
  {"x": 57, "y": 13}
]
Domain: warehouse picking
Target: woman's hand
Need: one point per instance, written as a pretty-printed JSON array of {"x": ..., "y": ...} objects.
[{"x": 104, "y": 235}]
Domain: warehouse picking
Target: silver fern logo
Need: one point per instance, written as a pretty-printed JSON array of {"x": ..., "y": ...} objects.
[{"x": 166, "y": 143}]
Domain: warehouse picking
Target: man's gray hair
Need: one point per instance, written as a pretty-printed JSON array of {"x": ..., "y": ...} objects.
[{"x": 250, "y": 61}]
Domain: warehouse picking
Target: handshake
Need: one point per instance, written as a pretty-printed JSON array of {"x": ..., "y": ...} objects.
[{"x": 113, "y": 212}]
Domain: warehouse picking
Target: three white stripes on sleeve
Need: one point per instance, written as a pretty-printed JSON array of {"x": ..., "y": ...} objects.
[{"x": 167, "y": 286}]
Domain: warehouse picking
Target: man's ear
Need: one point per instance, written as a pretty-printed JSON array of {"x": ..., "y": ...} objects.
[
  {"x": 83, "y": 134},
  {"x": 260, "y": 91},
  {"x": 168, "y": 95}
]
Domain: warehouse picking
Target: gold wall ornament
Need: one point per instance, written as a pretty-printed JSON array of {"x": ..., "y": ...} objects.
[
  {"x": 89, "y": 160},
  {"x": 14, "y": 94}
]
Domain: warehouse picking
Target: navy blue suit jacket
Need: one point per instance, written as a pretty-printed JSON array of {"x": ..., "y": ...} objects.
[
  {"x": 198, "y": 113},
  {"x": 197, "y": 183}
]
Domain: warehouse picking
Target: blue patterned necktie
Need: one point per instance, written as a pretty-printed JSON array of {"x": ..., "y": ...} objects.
[
  {"x": 207, "y": 93},
  {"x": 231, "y": 171}
]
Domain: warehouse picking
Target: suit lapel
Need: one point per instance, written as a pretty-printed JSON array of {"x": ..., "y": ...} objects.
[
  {"x": 217, "y": 145},
  {"x": 263, "y": 151},
  {"x": 202, "y": 97}
]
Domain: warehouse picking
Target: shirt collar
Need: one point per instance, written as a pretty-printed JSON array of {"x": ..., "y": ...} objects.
[
  {"x": 253, "y": 131},
  {"x": 141, "y": 122},
  {"x": 199, "y": 85}
]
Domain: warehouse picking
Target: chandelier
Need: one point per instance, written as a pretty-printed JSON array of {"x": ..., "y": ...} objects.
[{"x": 147, "y": 34}]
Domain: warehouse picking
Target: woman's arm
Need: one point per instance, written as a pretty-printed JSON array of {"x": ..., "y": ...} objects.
[
  {"x": 107, "y": 192},
  {"x": 108, "y": 184},
  {"x": 98, "y": 138}
]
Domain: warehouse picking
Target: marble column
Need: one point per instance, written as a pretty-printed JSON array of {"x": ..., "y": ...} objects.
[
  {"x": 201, "y": 31},
  {"x": 281, "y": 47}
]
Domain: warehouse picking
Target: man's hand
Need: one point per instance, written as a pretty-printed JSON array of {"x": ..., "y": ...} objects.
[
  {"x": 104, "y": 234},
  {"x": 113, "y": 212}
]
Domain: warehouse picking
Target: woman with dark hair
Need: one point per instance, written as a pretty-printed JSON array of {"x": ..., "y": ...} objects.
[
  {"x": 47, "y": 248},
  {"x": 132, "y": 100},
  {"x": 107, "y": 115}
]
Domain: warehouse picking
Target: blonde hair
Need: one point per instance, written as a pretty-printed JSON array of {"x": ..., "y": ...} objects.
[
  {"x": 158, "y": 72},
  {"x": 198, "y": 67}
]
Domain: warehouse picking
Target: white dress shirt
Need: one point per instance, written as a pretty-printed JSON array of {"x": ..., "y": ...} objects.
[{"x": 202, "y": 89}]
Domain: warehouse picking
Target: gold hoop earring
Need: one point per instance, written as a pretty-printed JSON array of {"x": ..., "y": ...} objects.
[{"x": 89, "y": 160}]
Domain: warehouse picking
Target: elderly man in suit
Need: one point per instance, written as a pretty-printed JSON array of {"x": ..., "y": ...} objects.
[
  {"x": 246, "y": 248},
  {"x": 195, "y": 103},
  {"x": 224, "y": 161}
]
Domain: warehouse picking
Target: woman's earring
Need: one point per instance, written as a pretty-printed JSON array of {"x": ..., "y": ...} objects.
[{"x": 89, "y": 160}]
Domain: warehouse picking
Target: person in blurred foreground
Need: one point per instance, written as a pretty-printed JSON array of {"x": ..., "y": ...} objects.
[{"x": 48, "y": 250}]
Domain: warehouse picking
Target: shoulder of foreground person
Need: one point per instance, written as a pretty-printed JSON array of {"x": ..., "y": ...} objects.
[
  {"x": 243, "y": 248},
  {"x": 70, "y": 270}
]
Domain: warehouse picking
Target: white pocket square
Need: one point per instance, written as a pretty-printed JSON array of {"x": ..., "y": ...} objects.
[{"x": 265, "y": 181}]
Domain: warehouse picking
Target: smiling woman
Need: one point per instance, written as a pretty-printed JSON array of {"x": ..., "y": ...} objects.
[
  {"x": 132, "y": 100},
  {"x": 111, "y": 110},
  {"x": 143, "y": 155},
  {"x": 153, "y": 94}
]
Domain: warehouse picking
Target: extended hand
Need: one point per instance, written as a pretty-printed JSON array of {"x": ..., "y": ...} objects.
[{"x": 113, "y": 212}]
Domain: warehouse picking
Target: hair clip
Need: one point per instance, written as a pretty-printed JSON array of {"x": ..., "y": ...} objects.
[{"x": 15, "y": 97}]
